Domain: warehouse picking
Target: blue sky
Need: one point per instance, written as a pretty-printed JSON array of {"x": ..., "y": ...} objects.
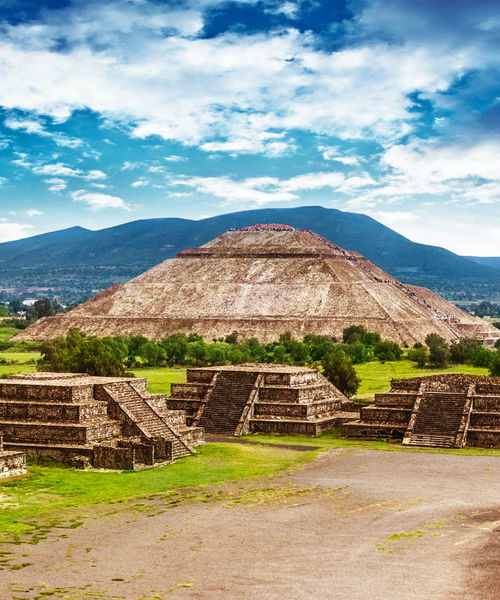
[{"x": 112, "y": 111}]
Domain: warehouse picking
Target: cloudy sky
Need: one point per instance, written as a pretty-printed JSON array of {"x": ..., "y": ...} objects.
[{"x": 112, "y": 111}]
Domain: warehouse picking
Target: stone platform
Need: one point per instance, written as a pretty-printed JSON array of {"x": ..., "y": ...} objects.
[
  {"x": 259, "y": 398},
  {"x": 12, "y": 462},
  {"x": 446, "y": 411},
  {"x": 105, "y": 422}
]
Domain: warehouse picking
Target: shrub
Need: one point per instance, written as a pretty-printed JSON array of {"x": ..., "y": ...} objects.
[
  {"x": 419, "y": 355},
  {"x": 387, "y": 350},
  {"x": 337, "y": 368},
  {"x": 494, "y": 367},
  {"x": 77, "y": 353}
]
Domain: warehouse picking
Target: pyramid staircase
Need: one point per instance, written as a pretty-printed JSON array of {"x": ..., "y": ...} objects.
[
  {"x": 437, "y": 411},
  {"x": 136, "y": 408},
  {"x": 259, "y": 398},
  {"x": 229, "y": 398},
  {"x": 438, "y": 420}
]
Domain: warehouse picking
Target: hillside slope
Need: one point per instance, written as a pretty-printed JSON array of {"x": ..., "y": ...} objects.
[{"x": 81, "y": 259}]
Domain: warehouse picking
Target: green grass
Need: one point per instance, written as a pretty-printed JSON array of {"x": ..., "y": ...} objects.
[
  {"x": 20, "y": 357},
  {"x": 376, "y": 376},
  {"x": 13, "y": 369},
  {"x": 159, "y": 379},
  {"x": 7, "y": 332},
  {"x": 51, "y": 489},
  {"x": 332, "y": 439}
]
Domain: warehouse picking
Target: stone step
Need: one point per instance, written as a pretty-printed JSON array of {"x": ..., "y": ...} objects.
[{"x": 433, "y": 441}]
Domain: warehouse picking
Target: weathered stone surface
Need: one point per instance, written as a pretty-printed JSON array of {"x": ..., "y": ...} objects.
[
  {"x": 111, "y": 422},
  {"x": 261, "y": 282},
  {"x": 237, "y": 399},
  {"x": 12, "y": 463},
  {"x": 437, "y": 410}
]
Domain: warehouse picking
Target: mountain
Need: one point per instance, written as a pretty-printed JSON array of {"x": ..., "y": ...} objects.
[
  {"x": 78, "y": 260},
  {"x": 488, "y": 261}
]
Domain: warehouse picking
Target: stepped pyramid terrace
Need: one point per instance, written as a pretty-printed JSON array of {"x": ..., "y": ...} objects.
[
  {"x": 263, "y": 281},
  {"x": 443, "y": 411},
  {"x": 257, "y": 398},
  {"x": 107, "y": 422},
  {"x": 12, "y": 462}
]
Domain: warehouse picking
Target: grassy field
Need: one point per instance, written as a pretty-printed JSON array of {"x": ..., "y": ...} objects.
[
  {"x": 376, "y": 376},
  {"x": 7, "y": 332},
  {"x": 159, "y": 379}
]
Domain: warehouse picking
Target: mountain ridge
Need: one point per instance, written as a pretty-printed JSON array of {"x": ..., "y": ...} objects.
[{"x": 90, "y": 259}]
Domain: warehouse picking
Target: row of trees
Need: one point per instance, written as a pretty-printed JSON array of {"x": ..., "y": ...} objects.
[
  {"x": 439, "y": 354},
  {"x": 112, "y": 356}
]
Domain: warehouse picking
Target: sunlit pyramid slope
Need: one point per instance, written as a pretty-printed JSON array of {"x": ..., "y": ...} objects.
[{"x": 260, "y": 282}]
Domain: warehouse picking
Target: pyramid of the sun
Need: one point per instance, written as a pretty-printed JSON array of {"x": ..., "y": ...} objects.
[{"x": 260, "y": 282}]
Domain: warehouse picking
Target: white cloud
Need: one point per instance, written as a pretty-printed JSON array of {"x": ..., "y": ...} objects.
[
  {"x": 56, "y": 169},
  {"x": 140, "y": 183},
  {"x": 94, "y": 174},
  {"x": 33, "y": 212},
  {"x": 13, "y": 231},
  {"x": 3, "y": 181},
  {"x": 36, "y": 127},
  {"x": 174, "y": 158},
  {"x": 332, "y": 153},
  {"x": 235, "y": 88},
  {"x": 265, "y": 190},
  {"x": 97, "y": 201},
  {"x": 465, "y": 173},
  {"x": 56, "y": 184}
]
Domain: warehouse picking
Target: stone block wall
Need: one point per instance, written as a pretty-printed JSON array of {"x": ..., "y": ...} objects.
[{"x": 111, "y": 457}]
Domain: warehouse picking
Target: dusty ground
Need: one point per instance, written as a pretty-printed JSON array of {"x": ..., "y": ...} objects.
[{"x": 354, "y": 525}]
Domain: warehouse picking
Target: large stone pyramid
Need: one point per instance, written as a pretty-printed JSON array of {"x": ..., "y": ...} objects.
[{"x": 263, "y": 281}]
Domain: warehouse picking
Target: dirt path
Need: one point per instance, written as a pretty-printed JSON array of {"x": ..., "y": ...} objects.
[{"x": 353, "y": 525}]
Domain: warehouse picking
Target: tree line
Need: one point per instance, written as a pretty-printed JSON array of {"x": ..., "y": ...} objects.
[{"x": 438, "y": 353}]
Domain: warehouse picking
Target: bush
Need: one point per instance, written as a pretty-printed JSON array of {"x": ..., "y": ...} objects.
[
  {"x": 495, "y": 365},
  {"x": 439, "y": 352},
  {"x": 387, "y": 351},
  {"x": 419, "y": 355},
  {"x": 354, "y": 333},
  {"x": 337, "y": 368},
  {"x": 77, "y": 353}
]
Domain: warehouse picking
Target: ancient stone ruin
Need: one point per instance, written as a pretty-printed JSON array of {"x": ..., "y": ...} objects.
[
  {"x": 239, "y": 399},
  {"x": 445, "y": 411},
  {"x": 261, "y": 282},
  {"x": 12, "y": 462},
  {"x": 106, "y": 422}
]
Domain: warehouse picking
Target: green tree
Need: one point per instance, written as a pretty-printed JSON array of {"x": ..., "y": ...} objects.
[
  {"x": 232, "y": 338},
  {"x": 77, "y": 353},
  {"x": 439, "y": 352},
  {"x": 135, "y": 344},
  {"x": 354, "y": 333},
  {"x": 42, "y": 308},
  {"x": 419, "y": 355},
  {"x": 175, "y": 348},
  {"x": 495, "y": 365},
  {"x": 337, "y": 367},
  {"x": 386, "y": 350},
  {"x": 152, "y": 354}
]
